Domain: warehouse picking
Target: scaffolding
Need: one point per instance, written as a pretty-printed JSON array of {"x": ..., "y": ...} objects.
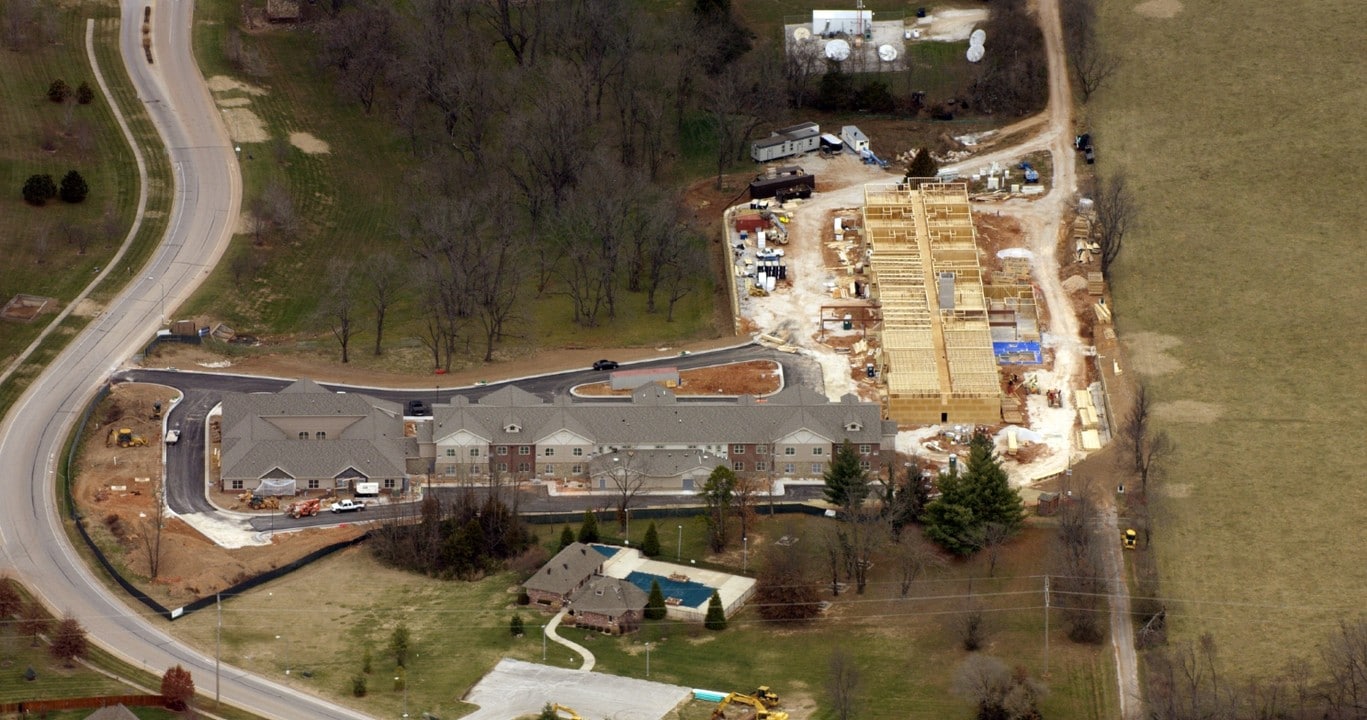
[{"x": 936, "y": 340}]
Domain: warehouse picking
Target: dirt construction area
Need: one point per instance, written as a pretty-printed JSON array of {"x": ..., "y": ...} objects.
[{"x": 116, "y": 489}]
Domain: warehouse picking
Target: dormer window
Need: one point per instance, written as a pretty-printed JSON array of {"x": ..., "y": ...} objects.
[
  {"x": 853, "y": 426},
  {"x": 512, "y": 428}
]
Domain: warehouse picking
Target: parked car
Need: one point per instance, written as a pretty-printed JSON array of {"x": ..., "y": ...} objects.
[
  {"x": 172, "y": 437},
  {"x": 417, "y": 408},
  {"x": 342, "y": 506},
  {"x": 605, "y": 365}
]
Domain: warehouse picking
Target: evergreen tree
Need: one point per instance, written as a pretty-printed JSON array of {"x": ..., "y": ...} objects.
[
  {"x": 58, "y": 91},
  {"x": 717, "y": 494},
  {"x": 949, "y": 519},
  {"x": 74, "y": 188},
  {"x": 923, "y": 165},
  {"x": 651, "y": 546},
  {"x": 566, "y": 538},
  {"x": 716, "y": 616},
  {"x": 588, "y": 531},
  {"x": 990, "y": 495},
  {"x": 847, "y": 484},
  {"x": 38, "y": 189},
  {"x": 655, "y": 604},
  {"x": 515, "y": 625}
]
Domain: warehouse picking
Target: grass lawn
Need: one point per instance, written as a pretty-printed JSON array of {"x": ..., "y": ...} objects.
[
  {"x": 1240, "y": 298},
  {"x": 905, "y": 649},
  {"x": 42, "y": 256}
]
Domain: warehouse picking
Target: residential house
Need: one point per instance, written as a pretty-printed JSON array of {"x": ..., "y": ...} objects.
[
  {"x": 564, "y": 574},
  {"x": 609, "y": 605}
]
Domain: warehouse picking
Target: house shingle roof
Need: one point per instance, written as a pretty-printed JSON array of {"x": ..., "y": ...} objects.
[
  {"x": 566, "y": 570},
  {"x": 608, "y": 596}
]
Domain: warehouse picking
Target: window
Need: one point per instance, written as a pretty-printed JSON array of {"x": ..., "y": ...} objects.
[
  {"x": 389, "y": 483},
  {"x": 761, "y": 465},
  {"x": 578, "y": 452},
  {"x": 513, "y": 428},
  {"x": 313, "y": 483},
  {"x": 737, "y": 449},
  {"x": 502, "y": 449},
  {"x": 503, "y": 467},
  {"x": 547, "y": 469},
  {"x": 790, "y": 451},
  {"x": 524, "y": 467},
  {"x": 816, "y": 468},
  {"x": 550, "y": 452},
  {"x": 865, "y": 464},
  {"x": 236, "y": 484},
  {"x": 474, "y": 452},
  {"x": 762, "y": 449},
  {"x": 864, "y": 449},
  {"x": 450, "y": 452},
  {"x": 303, "y": 436},
  {"x": 853, "y": 427},
  {"x": 788, "y": 468},
  {"x": 450, "y": 470},
  {"x": 524, "y": 450},
  {"x": 320, "y": 435},
  {"x": 577, "y": 470},
  {"x": 818, "y": 450},
  {"x": 738, "y": 466}
]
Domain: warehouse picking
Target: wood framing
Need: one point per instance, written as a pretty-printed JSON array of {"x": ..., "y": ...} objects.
[{"x": 936, "y": 340}]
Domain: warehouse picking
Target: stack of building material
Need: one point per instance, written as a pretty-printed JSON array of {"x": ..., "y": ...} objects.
[
  {"x": 1096, "y": 284},
  {"x": 1086, "y": 411},
  {"x": 1011, "y": 410}
]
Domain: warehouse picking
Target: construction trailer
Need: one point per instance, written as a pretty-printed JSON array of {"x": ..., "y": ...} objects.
[
  {"x": 854, "y": 139},
  {"x": 783, "y": 183},
  {"x": 786, "y": 142},
  {"x": 936, "y": 355}
]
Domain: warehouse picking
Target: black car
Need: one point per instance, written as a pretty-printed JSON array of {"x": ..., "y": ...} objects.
[
  {"x": 605, "y": 365},
  {"x": 416, "y": 408}
]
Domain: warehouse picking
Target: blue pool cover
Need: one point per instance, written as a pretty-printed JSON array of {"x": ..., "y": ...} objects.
[
  {"x": 690, "y": 593},
  {"x": 608, "y": 551}
]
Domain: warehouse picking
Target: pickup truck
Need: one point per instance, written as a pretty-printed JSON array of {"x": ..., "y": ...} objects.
[{"x": 346, "y": 506}]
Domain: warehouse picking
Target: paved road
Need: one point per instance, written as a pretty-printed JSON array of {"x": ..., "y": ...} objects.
[{"x": 207, "y": 198}]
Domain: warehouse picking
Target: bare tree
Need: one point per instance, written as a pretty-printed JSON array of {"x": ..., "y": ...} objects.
[
  {"x": 737, "y": 101},
  {"x": 1090, "y": 62},
  {"x": 784, "y": 588},
  {"x": 842, "y": 683},
  {"x": 1157, "y": 447},
  {"x": 339, "y": 305},
  {"x": 152, "y": 530},
  {"x": 1078, "y": 563},
  {"x": 802, "y": 63},
  {"x": 361, "y": 44},
  {"x": 996, "y": 690},
  {"x": 1115, "y": 214},
  {"x": 518, "y": 24},
  {"x": 625, "y": 471},
  {"x": 972, "y": 626},
  {"x": 33, "y": 621},
  {"x": 913, "y": 557},
  {"x": 69, "y": 642},
  {"x": 859, "y": 537},
  {"x": 1345, "y": 658},
  {"x": 991, "y": 537},
  {"x": 382, "y": 280},
  {"x": 680, "y": 274},
  {"x": 1135, "y": 429}
]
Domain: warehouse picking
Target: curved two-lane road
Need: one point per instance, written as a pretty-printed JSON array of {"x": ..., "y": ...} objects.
[{"x": 208, "y": 194}]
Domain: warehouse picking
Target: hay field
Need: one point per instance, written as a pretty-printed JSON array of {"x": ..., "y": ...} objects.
[{"x": 1240, "y": 127}]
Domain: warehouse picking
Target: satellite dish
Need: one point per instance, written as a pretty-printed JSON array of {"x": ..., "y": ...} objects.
[
  {"x": 838, "y": 50},
  {"x": 978, "y": 37},
  {"x": 887, "y": 53},
  {"x": 801, "y": 34},
  {"x": 975, "y": 53}
]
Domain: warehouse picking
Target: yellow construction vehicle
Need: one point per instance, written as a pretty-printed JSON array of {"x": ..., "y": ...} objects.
[
  {"x": 761, "y": 712},
  {"x": 126, "y": 438},
  {"x": 766, "y": 696},
  {"x": 568, "y": 714},
  {"x": 1130, "y": 539}
]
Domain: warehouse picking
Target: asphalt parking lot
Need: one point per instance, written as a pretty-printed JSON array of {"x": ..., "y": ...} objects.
[{"x": 515, "y": 688}]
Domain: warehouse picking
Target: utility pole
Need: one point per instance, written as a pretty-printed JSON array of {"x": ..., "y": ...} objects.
[
  {"x": 745, "y": 553},
  {"x": 647, "y": 659},
  {"x": 678, "y": 549},
  {"x": 218, "y": 645},
  {"x": 543, "y": 643},
  {"x": 1046, "y": 626}
]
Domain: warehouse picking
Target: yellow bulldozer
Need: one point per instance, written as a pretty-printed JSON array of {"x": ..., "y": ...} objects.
[
  {"x": 1130, "y": 539},
  {"x": 761, "y": 712},
  {"x": 125, "y": 438}
]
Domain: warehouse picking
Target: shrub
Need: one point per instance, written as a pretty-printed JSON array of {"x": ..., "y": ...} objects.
[
  {"x": 398, "y": 645},
  {"x": 358, "y": 686},
  {"x": 84, "y": 94},
  {"x": 178, "y": 687},
  {"x": 38, "y": 189},
  {"x": 515, "y": 626},
  {"x": 74, "y": 188},
  {"x": 58, "y": 91}
]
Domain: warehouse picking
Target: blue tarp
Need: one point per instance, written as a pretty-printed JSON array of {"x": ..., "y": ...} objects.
[
  {"x": 609, "y": 551},
  {"x": 1017, "y": 353},
  {"x": 689, "y": 593}
]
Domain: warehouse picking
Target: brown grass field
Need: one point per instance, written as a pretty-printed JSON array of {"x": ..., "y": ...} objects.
[{"x": 1241, "y": 296}]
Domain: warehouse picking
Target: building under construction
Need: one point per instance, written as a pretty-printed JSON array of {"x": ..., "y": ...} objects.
[{"x": 936, "y": 356}]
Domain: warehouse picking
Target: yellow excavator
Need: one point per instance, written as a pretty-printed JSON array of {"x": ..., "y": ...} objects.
[
  {"x": 565, "y": 713},
  {"x": 761, "y": 712},
  {"x": 766, "y": 696}
]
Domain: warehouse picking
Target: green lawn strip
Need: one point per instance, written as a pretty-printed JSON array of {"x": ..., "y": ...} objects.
[{"x": 1239, "y": 297}]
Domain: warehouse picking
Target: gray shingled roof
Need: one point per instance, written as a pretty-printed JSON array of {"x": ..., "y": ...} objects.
[
  {"x": 372, "y": 444},
  {"x": 112, "y": 712},
  {"x": 653, "y": 415},
  {"x": 566, "y": 570},
  {"x": 608, "y": 596},
  {"x": 663, "y": 463}
]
